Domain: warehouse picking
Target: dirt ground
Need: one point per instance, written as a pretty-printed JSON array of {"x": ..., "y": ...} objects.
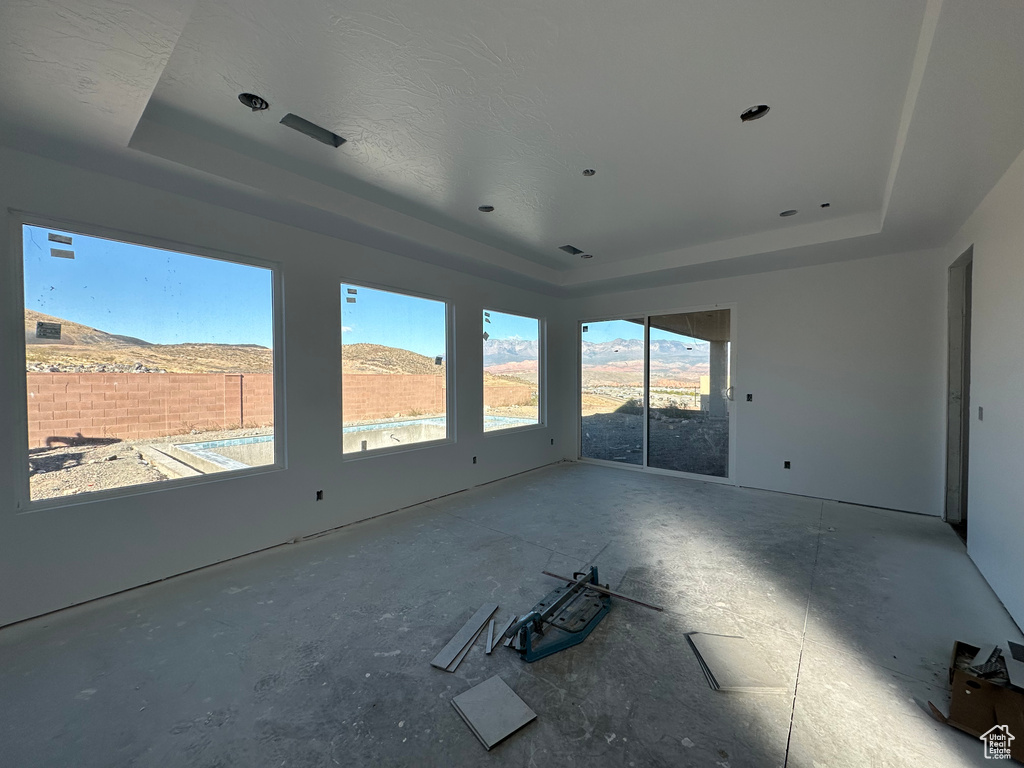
[
  {"x": 70, "y": 470},
  {"x": 695, "y": 443},
  {"x": 514, "y": 411}
]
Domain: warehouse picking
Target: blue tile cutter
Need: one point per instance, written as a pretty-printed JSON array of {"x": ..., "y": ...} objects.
[{"x": 562, "y": 619}]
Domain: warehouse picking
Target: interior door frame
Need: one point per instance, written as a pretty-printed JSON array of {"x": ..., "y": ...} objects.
[
  {"x": 958, "y": 387},
  {"x": 732, "y": 410}
]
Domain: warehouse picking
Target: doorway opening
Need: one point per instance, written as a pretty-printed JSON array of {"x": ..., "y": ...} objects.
[{"x": 958, "y": 391}]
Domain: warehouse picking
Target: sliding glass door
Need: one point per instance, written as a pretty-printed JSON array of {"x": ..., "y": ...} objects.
[
  {"x": 688, "y": 397},
  {"x": 612, "y": 375},
  {"x": 656, "y": 391}
]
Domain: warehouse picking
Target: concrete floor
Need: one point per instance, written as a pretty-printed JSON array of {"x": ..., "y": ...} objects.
[{"x": 317, "y": 654}]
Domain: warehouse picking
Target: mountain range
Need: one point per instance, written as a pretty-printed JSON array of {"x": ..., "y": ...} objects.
[
  {"x": 81, "y": 348},
  {"x": 662, "y": 352},
  {"x": 621, "y": 362},
  {"x": 501, "y": 351}
]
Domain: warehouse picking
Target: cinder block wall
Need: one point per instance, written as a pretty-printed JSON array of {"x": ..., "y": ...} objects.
[
  {"x": 66, "y": 406},
  {"x": 368, "y": 396},
  {"x": 257, "y": 399},
  {"x": 62, "y": 406}
]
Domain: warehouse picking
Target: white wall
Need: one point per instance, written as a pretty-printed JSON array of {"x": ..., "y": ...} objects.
[
  {"x": 57, "y": 557},
  {"x": 995, "y": 505},
  {"x": 846, "y": 365}
]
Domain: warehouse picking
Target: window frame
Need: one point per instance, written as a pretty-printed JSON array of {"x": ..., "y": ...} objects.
[
  {"x": 542, "y": 376},
  {"x": 17, "y": 221},
  {"x": 450, "y": 378}
]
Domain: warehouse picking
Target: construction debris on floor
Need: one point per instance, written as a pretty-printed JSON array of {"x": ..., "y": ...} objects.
[
  {"x": 565, "y": 616},
  {"x": 987, "y": 697},
  {"x": 455, "y": 651},
  {"x": 732, "y": 664},
  {"x": 562, "y": 619},
  {"x": 492, "y": 642},
  {"x": 492, "y": 711}
]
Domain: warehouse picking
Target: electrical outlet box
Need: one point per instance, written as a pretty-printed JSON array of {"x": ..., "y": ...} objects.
[
  {"x": 474, "y": 459},
  {"x": 785, "y": 465},
  {"x": 319, "y": 495},
  {"x": 750, "y": 398}
]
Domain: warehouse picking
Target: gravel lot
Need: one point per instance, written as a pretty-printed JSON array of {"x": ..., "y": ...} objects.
[{"x": 695, "y": 444}]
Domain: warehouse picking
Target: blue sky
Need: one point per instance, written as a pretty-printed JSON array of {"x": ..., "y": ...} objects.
[
  {"x": 659, "y": 335},
  {"x": 392, "y": 320},
  {"x": 159, "y": 296},
  {"x": 503, "y": 326},
  {"x": 610, "y": 330},
  {"x": 413, "y": 323},
  {"x": 167, "y": 297}
]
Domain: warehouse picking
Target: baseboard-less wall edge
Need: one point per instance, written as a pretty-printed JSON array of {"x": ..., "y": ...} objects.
[
  {"x": 725, "y": 481},
  {"x": 262, "y": 550},
  {"x": 981, "y": 572}
]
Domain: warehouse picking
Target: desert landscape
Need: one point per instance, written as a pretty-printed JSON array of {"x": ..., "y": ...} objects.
[
  {"x": 97, "y": 453},
  {"x": 680, "y": 435}
]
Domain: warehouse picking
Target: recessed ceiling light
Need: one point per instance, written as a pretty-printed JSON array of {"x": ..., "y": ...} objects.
[
  {"x": 754, "y": 113},
  {"x": 790, "y": 212},
  {"x": 826, "y": 205},
  {"x": 485, "y": 208},
  {"x": 586, "y": 255},
  {"x": 589, "y": 172},
  {"x": 253, "y": 102}
]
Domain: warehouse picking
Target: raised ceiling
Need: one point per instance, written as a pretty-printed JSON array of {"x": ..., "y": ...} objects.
[{"x": 899, "y": 115}]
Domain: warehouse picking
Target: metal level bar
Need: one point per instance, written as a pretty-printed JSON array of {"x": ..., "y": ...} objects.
[{"x": 604, "y": 591}]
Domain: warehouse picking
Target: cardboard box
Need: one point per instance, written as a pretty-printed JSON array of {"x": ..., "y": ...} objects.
[{"x": 978, "y": 705}]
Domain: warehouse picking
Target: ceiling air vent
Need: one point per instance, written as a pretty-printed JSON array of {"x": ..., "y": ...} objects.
[
  {"x": 312, "y": 130},
  {"x": 572, "y": 250}
]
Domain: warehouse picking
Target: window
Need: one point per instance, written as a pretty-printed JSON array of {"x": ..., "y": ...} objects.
[
  {"x": 394, "y": 369},
  {"x": 143, "y": 365},
  {"x": 511, "y": 371}
]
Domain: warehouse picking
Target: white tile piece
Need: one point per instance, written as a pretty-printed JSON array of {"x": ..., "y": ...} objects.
[
  {"x": 492, "y": 711},
  {"x": 735, "y": 665},
  {"x": 464, "y": 636},
  {"x": 1013, "y": 655},
  {"x": 464, "y": 652}
]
